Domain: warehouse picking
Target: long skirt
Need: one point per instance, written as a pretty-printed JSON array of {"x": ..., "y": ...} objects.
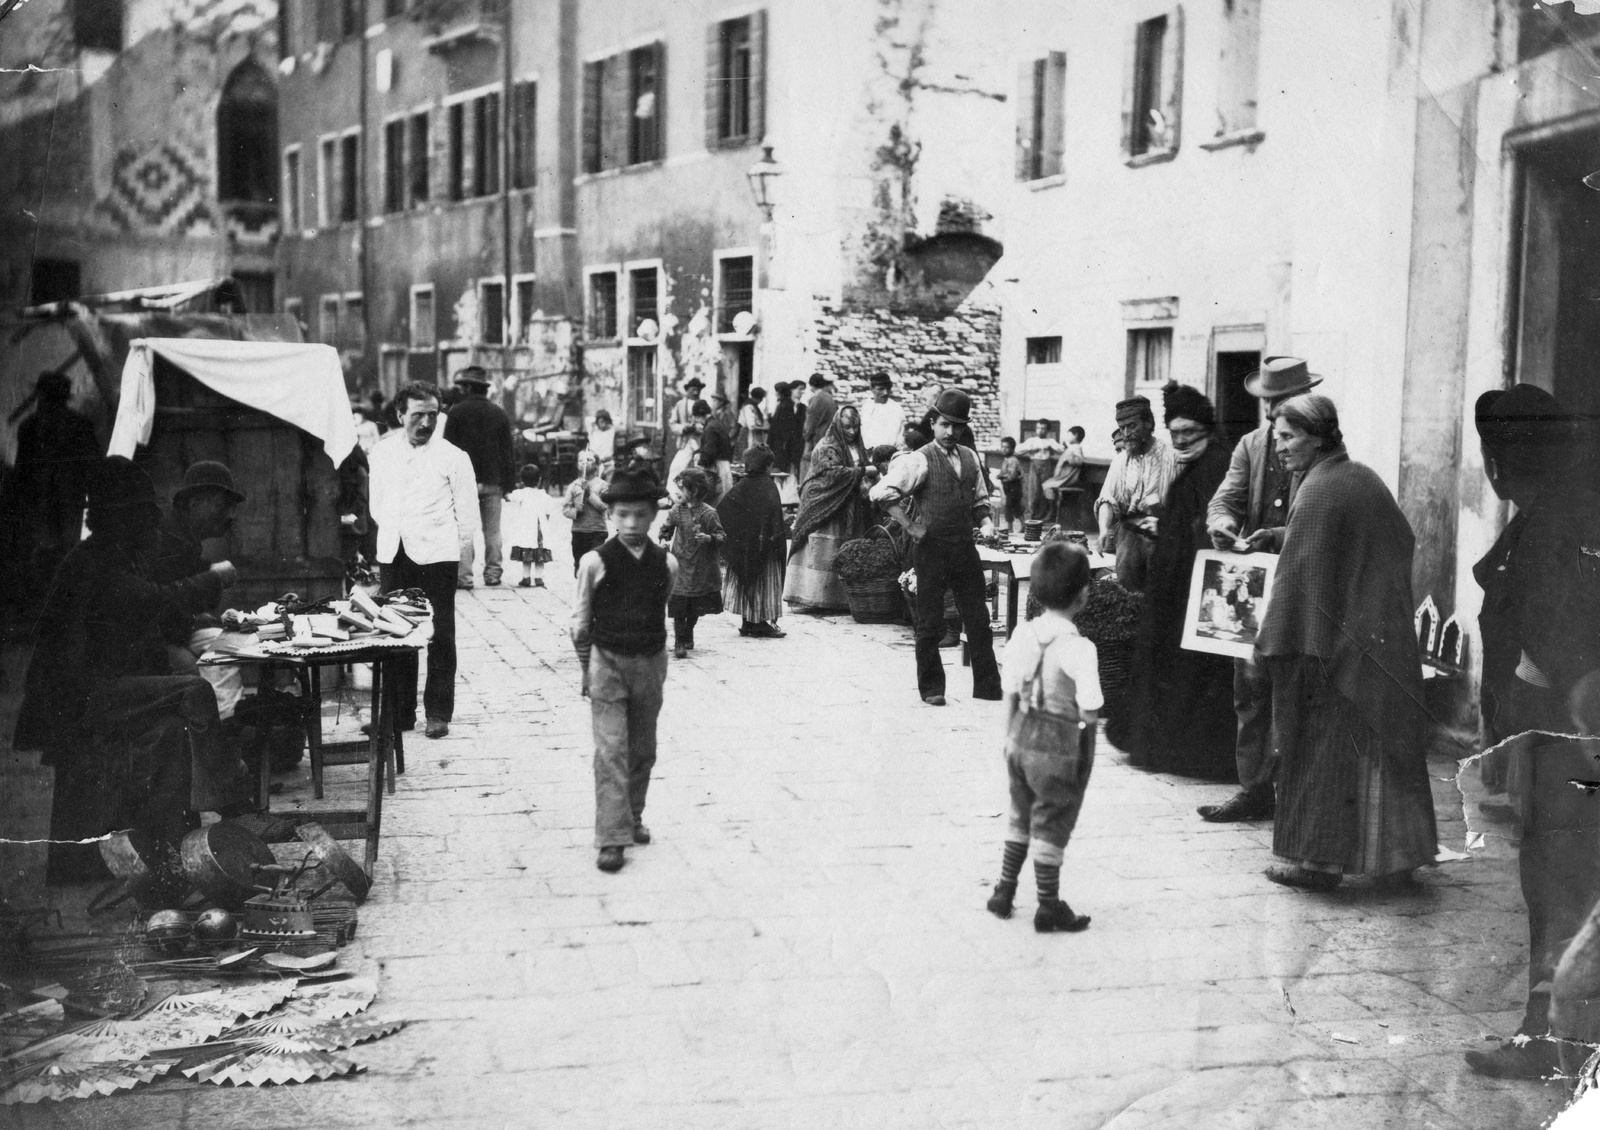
[
  {"x": 1350, "y": 799},
  {"x": 761, "y": 602},
  {"x": 812, "y": 585}
]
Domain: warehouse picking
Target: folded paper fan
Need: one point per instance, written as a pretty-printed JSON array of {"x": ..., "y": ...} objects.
[
  {"x": 250, "y": 1066},
  {"x": 229, "y": 1005},
  {"x": 333, "y": 999},
  {"x": 53, "y": 1082}
]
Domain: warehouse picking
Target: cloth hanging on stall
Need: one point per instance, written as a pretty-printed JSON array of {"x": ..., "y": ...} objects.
[{"x": 302, "y": 384}]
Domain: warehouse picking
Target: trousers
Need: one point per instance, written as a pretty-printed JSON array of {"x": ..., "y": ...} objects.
[
  {"x": 490, "y": 500},
  {"x": 1048, "y": 765},
  {"x": 1252, "y": 702},
  {"x": 624, "y": 703},
  {"x": 438, "y": 582},
  {"x": 953, "y": 565},
  {"x": 142, "y": 718},
  {"x": 1134, "y": 551}
]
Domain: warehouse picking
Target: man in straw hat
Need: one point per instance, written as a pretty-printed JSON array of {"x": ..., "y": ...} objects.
[
  {"x": 945, "y": 484},
  {"x": 619, "y": 628},
  {"x": 1136, "y": 484},
  {"x": 1248, "y": 513},
  {"x": 1540, "y": 633}
]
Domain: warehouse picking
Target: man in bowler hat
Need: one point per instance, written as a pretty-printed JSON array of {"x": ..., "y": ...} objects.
[{"x": 944, "y": 485}]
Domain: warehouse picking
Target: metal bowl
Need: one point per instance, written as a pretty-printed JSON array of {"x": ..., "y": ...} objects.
[
  {"x": 168, "y": 930},
  {"x": 218, "y": 860},
  {"x": 215, "y": 925}
]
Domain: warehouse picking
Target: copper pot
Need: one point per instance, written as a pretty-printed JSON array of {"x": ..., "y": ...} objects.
[
  {"x": 146, "y": 871},
  {"x": 219, "y": 861}
]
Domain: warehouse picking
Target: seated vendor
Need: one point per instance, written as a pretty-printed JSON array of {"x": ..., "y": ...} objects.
[{"x": 133, "y": 746}]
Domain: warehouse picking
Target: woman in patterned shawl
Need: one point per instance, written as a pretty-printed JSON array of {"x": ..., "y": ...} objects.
[
  {"x": 833, "y": 510},
  {"x": 1338, "y": 641}
]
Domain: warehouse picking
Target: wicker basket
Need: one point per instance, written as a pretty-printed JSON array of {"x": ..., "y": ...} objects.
[{"x": 875, "y": 602}]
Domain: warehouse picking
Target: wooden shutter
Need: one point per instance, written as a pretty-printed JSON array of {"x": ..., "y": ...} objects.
[
  {"x": 1130, "y": 86},
  {"x": 714, "y": 81},
  {"x": 616, "y": 110},
  {"x": 330, "y": 21},
  {"x": 525, "y": 105},
  {"x": 1052, "y": 162},
  {"x": 660, "y": 121},
  {"x": 758, "y": 75},
  {"x": 1172, "y": 76},
  {"x": 1025, "y": 120},
  {"x": 592, "y": 116}
]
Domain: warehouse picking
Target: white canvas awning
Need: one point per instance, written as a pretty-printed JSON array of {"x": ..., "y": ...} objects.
[{"x": 299, "y": 383}]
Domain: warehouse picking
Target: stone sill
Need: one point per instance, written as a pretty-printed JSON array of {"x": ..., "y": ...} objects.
[
  {"x": 1153, "y": 157},
  {"x": 620, "y": 170},
  {"x": 1249, "y": 138},
  {"x": 1045, "y": 182}
]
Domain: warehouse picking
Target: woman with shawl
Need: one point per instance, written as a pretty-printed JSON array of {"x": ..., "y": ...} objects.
[
  {"x": 716, "y": 450},
  {"x": 756, "y": 549},
  {"x": 1341, "y": 651},
  {"x": 1182, "y": 718},
  {"x": 833, "y": 510}
]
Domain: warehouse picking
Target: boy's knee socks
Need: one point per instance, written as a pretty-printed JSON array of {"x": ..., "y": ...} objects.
[{"x": 1011, "y": 862}]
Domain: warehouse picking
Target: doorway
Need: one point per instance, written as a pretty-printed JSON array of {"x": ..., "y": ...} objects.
[
  {"x": 738, "y": 370},
  {"x": 1238, "y": 413}
]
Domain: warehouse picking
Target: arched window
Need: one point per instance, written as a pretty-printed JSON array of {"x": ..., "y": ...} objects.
[{"x": 247, "y": 137}]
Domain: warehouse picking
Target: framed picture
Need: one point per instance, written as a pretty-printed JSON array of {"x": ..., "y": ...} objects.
[{"x": 1228, "y": 601}]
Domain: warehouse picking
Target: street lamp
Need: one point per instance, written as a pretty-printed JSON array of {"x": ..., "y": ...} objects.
[{"x": 762, "y": 174}]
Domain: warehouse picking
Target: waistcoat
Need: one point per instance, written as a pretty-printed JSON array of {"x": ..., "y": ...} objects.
[
  {"x": 945, "y": 502},
  {"x": 629, "y": 613}
]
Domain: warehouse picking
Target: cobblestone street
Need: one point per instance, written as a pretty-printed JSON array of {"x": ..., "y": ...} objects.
[{"x": 805, "y": 944}]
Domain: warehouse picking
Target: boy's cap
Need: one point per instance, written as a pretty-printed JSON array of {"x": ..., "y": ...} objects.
[{"x": 631, "y": 484}]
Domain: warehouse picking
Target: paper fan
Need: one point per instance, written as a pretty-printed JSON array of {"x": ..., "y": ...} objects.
[
  {"x": 332, "y": 999},
  {"x": 338, "y": 1035},
  {"x": 256, "y": 1068},
  {"x": 26, "y": 1025},
  {"x": 55, "y": 1081},
  {"x": 228, "y": 1005},
  {"x": 107, "y": 1041}
]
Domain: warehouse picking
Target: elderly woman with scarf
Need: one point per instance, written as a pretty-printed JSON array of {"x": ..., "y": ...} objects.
[
  {"x": 1340, "y": 650},
  {"x": 1181, "y": 718},
  {"x": 833, "y": 510},
  {"x": 756, "y": 549}
]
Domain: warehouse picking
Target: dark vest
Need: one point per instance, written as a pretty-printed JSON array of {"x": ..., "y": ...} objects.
[
  {"x": 629, "y": 612},
  {"x": 945, "y": 502}
]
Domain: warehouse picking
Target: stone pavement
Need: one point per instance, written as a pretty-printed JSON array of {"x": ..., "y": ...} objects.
[{"x": 805, "y": 944}]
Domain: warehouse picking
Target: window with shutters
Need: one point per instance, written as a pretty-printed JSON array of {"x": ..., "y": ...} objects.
[
  {"x": 456, "y": 177},
  {"x": 736, "y": 278},
  {"x": 735, "y": 81},
  {"x": 97, "y": 25},
  {"x": 1238, "y": 71},
  {"x": 522, "y": 306},
  {"x": 327, "y": 180},
  {"x": 1041, "y": 117},
  {"x": 602, "y": 311},
  {"x": 642, "y": 398},
  {"x": 492, "y": 311},
  {"x": 524, "y": 107},
  {"x": 1152, "y": 95},
  {"x": 644, "y": 297},
  {"x": 420, "y": 157},
  {"x": 623, "y": 113},
  {"x": 486, "y": 144},
  {"x": 394, "y": 165},
  {"x": 422, "y": 327},
  {"x": 645, "y": 97},
  {"x": 350, "y": 176},
  {"x": 291, "y": 188},
  {"x": 1149, "y": 357},
  {"x": 594, "y": 115},
  {"x": 1044, "y": 351}
]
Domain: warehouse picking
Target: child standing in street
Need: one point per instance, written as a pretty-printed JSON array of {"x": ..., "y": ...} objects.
[
  {"x": 1011, "y": 482},
  {"x": 619, "y": 627},
  {"x": 527, "y": 513},
  {"x": 582, "y": 504},
  {"x": 696, "y": 537},
  {"x": 1052, "y": 696}
]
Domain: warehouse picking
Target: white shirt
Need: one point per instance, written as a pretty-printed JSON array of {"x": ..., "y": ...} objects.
[
  {"x": 881, "y": 424},
  {"x": 1072, "y": 675},
  {"x": 603, "y": 442},
  {"x": 1138, "y": 482},
  {"x": 906, "y": 474},
  {"x": 424, "y": 499}
]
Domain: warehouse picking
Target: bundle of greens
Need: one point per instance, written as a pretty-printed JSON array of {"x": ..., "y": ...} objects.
[{"x": 867, "y": 559}]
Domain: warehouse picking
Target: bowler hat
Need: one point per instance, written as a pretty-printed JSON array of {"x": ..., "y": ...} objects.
[
  {"x": 693, "y": 382},
  {"x": 119, "y": 483},
  {"x": 1521, "y": 415},
  {"x": 473, "y": 376},
  {"x": 953, "y": 404},
  {"x": 208, "y": 475},
  {"x": 632, "y": 484},
  {"x": 1281, "y": 376}
]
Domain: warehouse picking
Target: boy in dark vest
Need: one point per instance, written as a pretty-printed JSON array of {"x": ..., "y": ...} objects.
[
  {"x": 619, "y": 626},
  {"x": 943, "y": 484}
]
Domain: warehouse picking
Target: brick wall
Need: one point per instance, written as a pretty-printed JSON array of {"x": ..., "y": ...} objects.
[{"x": 959, "y": 349}]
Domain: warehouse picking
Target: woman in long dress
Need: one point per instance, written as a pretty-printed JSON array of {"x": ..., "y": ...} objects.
[
  {"x": 1341, "y": 650},
  {"x": 756, "y": 549},
  {"x": 833, "y": 510},
  {"x": 1182, "y": 719}
]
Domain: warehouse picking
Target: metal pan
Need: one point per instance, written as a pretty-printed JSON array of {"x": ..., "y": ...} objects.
[
  {"x": 218, "y": 860},
  {"x": 146, "y": 871},
  {"x": 336, "y": 862}
]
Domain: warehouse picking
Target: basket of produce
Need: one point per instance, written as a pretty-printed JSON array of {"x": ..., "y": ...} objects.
[
  {"x": 869, "y": 569},
  {"x": 1109, "y": 619}
]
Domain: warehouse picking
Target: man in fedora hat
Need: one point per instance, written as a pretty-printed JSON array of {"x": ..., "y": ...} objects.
[
  {"x": 1135, "y": 487},
  {"x": 944, "y": 483},
  {"x": 482, "y": 429},
  {"x": 1249, "y": 513},
  {"x": 681, "y": 422},
  {"x": 883, "y": 419},
  {"x": 619, "y": 628}
]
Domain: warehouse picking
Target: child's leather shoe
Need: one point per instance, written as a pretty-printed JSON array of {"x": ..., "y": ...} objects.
[
  {"x": 1000, "y": 902},
  {"x": 1054, "y": 915}
]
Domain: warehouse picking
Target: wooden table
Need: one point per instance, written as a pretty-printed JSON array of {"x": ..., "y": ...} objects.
[
  {"x": 998, "y": 563},
  {"x": 383, "y": 751}
]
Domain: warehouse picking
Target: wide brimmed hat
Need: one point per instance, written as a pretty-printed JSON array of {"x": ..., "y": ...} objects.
[
  {"x": 472, "y": 377},
  {"x": 1281, "y": 376},
  {"x": 632, "y": 484},
  {"x": 693, "y": 382},
  {"x": 1522, "y": 415},
  {"x": 208, "y": 475},
  {"x": 953, "y": 404},
  {"x": 118, "y": 483}
]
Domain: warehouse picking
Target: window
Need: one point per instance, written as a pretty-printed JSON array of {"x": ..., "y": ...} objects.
[
  {"x": 1151, "y": 98},
  {"x": 735, "y": 290},
  {"x": 394, "y": 165},
  {"x": 1041, "y": 118},
  {"x": 296, "y": 309},
  {"x": 420, "y": 158},
  {"x": 1044, "y": 351},
  {"x": 349, "y": 17},
  {"x": 247, "y": 136},
  {"x": 486, "y": 145},
  {"x": 524, "y": 104},
  {"x": 594, "y": 117},
  {"x": 603, "y": 305},
  {"x": 1241, "y": 47},
  {"x": 456, "y": 184},
  {"x": 422, "y": 332},
  {"x": 492, "y": 313},
  {"x": 352, "y": 328},
  {"x": 54, "y": 280},
  {"x": 349, "y": 176},
  {"x": 328, "y": 319},
  {"x": 522, "y": 308},
  {"x": 642, "y": 384},
  {"x": 327, "y": 180},
  {"x": 645, "y": 95},
  {"x": 643, "y": 298},
  {"x": 735, "y": 81},
  {"x": 285, "y": 29},
  {"x": 291, "y": 188},
  {"x": 1149, "y": 357},
  {"x": 97, "y": 24}
]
